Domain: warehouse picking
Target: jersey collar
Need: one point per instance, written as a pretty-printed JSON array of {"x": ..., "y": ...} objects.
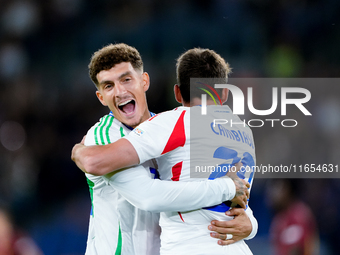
[{"x": 131, "y": 128}]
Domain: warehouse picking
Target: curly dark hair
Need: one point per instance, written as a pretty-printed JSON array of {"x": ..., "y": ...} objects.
[{"x": 112, "y": 54}]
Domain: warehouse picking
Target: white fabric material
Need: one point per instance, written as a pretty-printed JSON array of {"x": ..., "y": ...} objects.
[
  {"x": 113, "y": 192},
  {"x": 155, "y": 195},
  {"x": 186, "y": 232},
  {"x": 254, "y": 223},
  {"x": 139, "y": 229}
]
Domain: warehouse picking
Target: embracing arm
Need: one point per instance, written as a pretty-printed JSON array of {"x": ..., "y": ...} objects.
[
  {"x": 155, "y": 195},
  {"x": 103, "y": 159},
  {"x": 128, "y": 151},
  {"x": 243, "y": 226}
]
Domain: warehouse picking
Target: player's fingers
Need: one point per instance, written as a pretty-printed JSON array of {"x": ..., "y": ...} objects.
[
  {"x": 226, "y": 242},
  {"x": 234, "y": 211},
  {"x": 247, "y": 194},
  {"x": 247, "y": 184},
  {"x": 218, "y": 236},
  {"x": 222, "y": 224},
  {"x": 220, "y": 230},
  {"x": 222, "y": 237},
  {"x": 243, "y": 202}
]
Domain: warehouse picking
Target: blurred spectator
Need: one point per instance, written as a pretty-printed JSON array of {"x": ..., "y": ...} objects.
[
  {"x": 20, "y": 18},
  {"x": 13, "y": 60},
  {"x": 293, "y": 229},
  {"x": 12, "y": 240}
]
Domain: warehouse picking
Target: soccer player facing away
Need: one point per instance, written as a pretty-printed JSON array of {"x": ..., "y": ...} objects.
[
  {"x": 117, "y": 226},
  {"x": 167, "y": 137}
]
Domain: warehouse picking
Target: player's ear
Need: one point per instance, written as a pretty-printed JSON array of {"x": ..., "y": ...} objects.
[
  {"x": 178, "y": 94},
  {"x": 146, "y": 81},
  {"x": 100, "y": 98},
  {"x": 225, "y": 93}
]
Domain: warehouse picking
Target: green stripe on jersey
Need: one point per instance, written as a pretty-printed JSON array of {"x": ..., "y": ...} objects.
[
  {"x": 107, "y": 131},
  {"x": 105, "y": 122},
  {"x": 95, "y": 131},
  {"x": 119, "y": 243},
  {"x": 121, "y": 132},
  {"x": 102, "y": 131}
]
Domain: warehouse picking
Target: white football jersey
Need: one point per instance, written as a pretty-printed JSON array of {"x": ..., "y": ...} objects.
[
  {"x": 181, "y": 154},
  {"x": 116, "y": 226}
]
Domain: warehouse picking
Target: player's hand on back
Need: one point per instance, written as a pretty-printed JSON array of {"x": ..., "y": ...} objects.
[
  {"x": 242, "y": 192},
  {"x": 233, "y": 230}
]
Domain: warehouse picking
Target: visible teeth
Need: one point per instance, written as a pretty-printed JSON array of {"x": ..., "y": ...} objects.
[{"x": 126, "y": 102}]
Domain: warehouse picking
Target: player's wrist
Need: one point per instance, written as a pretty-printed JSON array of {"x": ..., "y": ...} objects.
[
  {"x": 229, "y": 188},
  {"x": 254, "y": 226}
]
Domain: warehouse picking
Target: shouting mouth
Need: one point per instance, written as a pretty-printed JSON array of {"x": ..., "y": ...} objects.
[{"x": 127, "y": 107}]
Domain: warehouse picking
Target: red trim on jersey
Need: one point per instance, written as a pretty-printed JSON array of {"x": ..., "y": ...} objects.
[
  {"x": 180, "y": 215},
  {"x": 153, "y": 116},
  {"x": 176, "y": 171},
  {"x": 177, "y": 137}
]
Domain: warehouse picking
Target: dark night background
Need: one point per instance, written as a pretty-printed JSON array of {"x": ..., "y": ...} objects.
[{"x": 47, "y": 100}]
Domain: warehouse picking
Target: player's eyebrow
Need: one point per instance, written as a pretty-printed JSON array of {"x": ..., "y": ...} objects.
[
  {"x": 105, "y": 82},
  {"x": 120, "y": 77},
  {"x": 124, "y": 74}
]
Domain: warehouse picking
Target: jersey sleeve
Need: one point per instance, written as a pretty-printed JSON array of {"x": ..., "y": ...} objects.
[
  {"x": 254, "y": 224},
  {"x": 90, "y": 137},
  {"x": 105, "y": 131},
  {"x": 136, "y": 186},
  {"x": 158, "y": 135}
]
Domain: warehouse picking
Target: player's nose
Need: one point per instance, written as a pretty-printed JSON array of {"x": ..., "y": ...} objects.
[{"x": 119, "y": 90}]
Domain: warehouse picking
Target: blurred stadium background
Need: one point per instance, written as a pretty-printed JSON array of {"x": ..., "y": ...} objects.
[{"x": 47, "y": 101}]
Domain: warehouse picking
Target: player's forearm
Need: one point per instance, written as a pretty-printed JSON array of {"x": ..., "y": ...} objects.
[
  {"x": 94, "y": 161},
  {"x": 160, "y": 196},
  {"x": 188, "y": 196},
  {"x": 100, "y": 160}
]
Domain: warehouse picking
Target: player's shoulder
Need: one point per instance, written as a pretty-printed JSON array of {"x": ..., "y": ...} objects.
[
  {"x": 107, "y": 121},
  {"x": 106, "y": 130},
  {"x": 170, "y": 114},
  {"x": 161, "y": 123}
]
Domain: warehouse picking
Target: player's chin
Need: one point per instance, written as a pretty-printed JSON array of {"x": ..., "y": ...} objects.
[{"x": 131, "y": 121}]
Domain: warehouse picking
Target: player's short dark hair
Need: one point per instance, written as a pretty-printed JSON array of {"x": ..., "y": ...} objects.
[
  {"x": 199, "y": 63},
  {"x": 112, "y": 54}
]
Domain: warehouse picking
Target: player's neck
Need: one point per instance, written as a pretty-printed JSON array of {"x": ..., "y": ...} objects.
[{"x": 197, "y": 101}]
